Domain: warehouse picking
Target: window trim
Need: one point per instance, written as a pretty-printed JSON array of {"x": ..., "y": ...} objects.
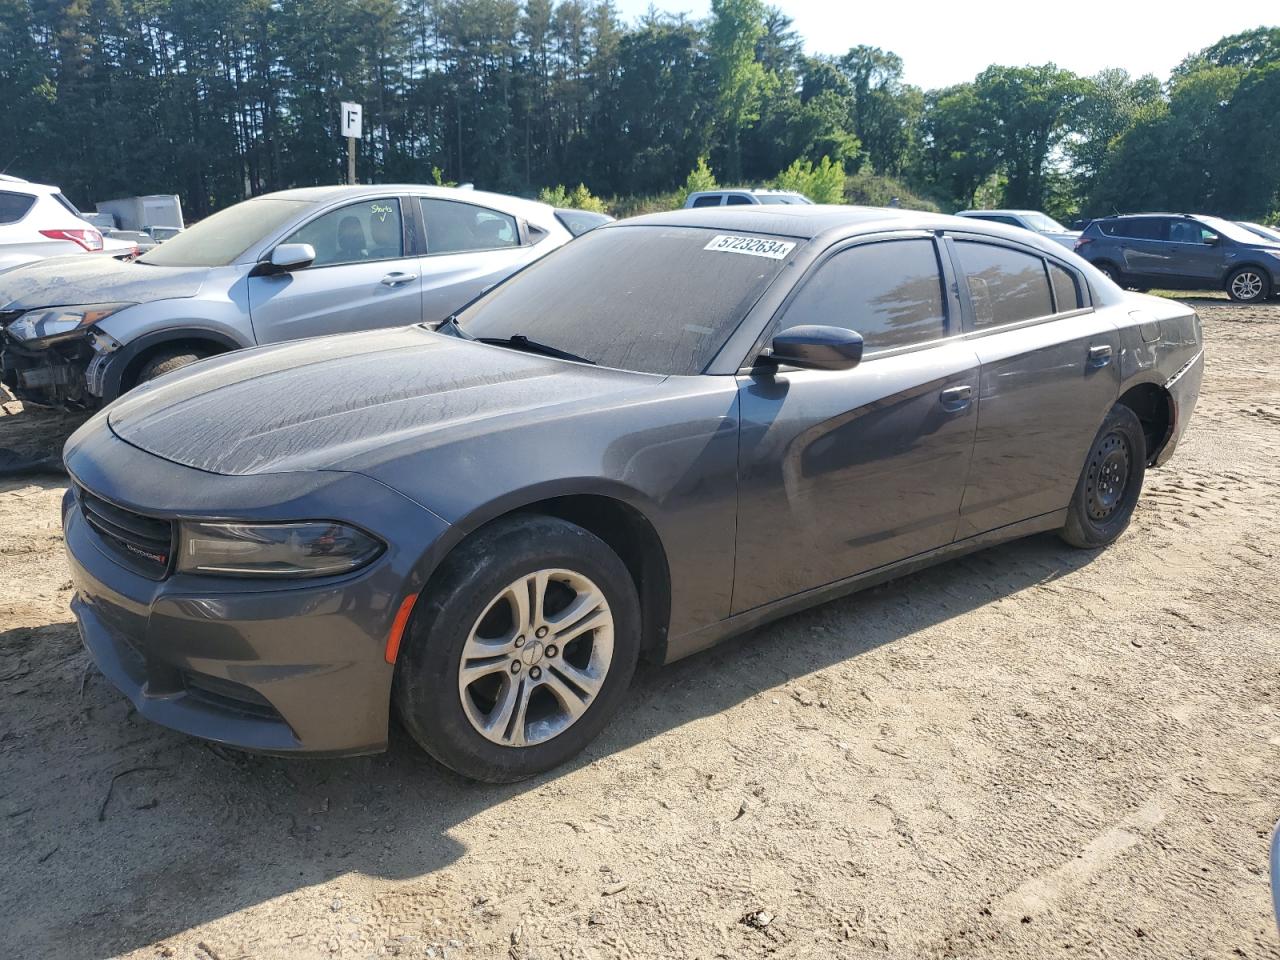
[
  {"x": 522, "y": 237},
  {"x": 404, "y": 237},
  {"x": 971, "y": 332},
  {"x": 952, "y": 309}
]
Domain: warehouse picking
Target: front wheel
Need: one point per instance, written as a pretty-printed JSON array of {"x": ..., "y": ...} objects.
[
  {"x": 1110, "y": 482},
  {"x": 521, "y": 652},
  {"x": 1248, "y": 285}
]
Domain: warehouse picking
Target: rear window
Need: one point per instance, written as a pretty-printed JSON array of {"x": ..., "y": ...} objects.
[
  {"x": 1136, "y": 228},
  {"x": 654, "y": 299},
  {"x": 713, "y": 201},
  {"x": 578, "y": 222},
  {"x": 218, "y": 240},
  {"x": 68, "y": 205},
  {"x": 1005, "y": 285},
  {"x": 15, "y": 206}
]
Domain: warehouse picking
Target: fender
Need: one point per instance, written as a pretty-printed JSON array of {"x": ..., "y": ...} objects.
[{"x": 120, "y": 360}]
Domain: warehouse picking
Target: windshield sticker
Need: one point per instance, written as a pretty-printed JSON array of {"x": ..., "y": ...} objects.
[{"x": 751, "y": 246}]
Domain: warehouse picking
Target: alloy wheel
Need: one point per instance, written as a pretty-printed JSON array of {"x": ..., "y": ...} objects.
[
  {"x": 1246, "y": 285},
  {"x": 1108, "y": 476},
  {"x": 536, "y": 658}
]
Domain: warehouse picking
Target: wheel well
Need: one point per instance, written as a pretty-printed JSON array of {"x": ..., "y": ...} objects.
[
  {"x": 1154, "y": 409},
  {"x": 204, "y": 347},
  {"x": 630, "y": 535}
]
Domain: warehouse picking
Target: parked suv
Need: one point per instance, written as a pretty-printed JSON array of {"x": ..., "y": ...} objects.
[
  {"x": 37, "y": 221},
  {"x": 283, "y": 266},
  {"x": 743, "y": 197},
  {"x": 1183, "y": 252}
]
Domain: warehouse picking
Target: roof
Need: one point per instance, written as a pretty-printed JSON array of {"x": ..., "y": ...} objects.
[
  {"x": 531, "y": 210},
  {"x": 797, "y": 221}
]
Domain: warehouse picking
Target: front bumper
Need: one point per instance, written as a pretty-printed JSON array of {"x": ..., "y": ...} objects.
[
  {"x": 54, "y": 375},
  {"x": 265, "y": 666}
]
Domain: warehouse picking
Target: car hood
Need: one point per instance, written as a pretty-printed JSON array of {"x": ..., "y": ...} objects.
[
  {"x": 62, "y": 281},
  {"x": 352, "y": 401}
]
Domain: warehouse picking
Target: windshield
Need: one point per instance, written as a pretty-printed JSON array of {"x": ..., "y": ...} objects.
[
  {"x": 1229, "y": 230},
  {"x": 653, "y": 299},
  {"x": 217, "y": 240},
  {"x": 1045, "y": 224},
  {"x": 1267, "y": 233}
]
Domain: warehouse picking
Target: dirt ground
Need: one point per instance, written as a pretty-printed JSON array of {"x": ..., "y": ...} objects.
[{"x": 1032, "y": 752}]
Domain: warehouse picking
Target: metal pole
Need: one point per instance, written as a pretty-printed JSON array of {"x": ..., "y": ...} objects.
[{"x": 351, "y": 160}]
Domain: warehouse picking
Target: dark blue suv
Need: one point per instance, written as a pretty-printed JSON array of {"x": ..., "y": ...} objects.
[{"x": 1183, "y": 252}]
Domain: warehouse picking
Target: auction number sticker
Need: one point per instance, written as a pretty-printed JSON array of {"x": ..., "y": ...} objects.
[{"x": 751, "y": 246}]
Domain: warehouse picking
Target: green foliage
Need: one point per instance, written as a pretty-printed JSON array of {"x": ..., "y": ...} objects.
[
  {"x": 870, "y": 189},
  {"x": 579, "y": 198},
  {"x": 700, "y": 178},
  {"x": 823, "y": 183},
  {"x": 220, "y": 101}
]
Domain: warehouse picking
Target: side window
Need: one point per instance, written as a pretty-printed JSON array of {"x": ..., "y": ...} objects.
[
  {"x": 1186, "y": 231},
  {"x": 454, "y": 227},
  {"x": 1066, "y": 292},
  {"x": 1005, "y": 285},
  {"x": 738, "y": 200},
  {"x": 890, "y": 292},
  {"x": 1143, "y": 228},
  {"x": 14, "y": 206},
  {"x": 711, "y": 201},
  {"x": 357, "y": 233}
]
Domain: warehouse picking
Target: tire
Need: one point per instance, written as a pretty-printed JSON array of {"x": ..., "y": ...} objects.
[
  {"x": 1110, "y": 482},
  {"x": 1111, "y": 272},
  {"x": 559, "y": 699},
  {"x": 1248, "y": 285},
  {"x": 165, "y": 362}
]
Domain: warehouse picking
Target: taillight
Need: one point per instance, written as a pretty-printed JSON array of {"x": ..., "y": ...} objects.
[
  {"x": 90, "y": 240},
  {"x": 1082, "y": 241}
]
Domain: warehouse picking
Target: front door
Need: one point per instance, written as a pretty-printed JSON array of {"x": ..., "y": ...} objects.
[
  {"x": 361, "y": 278},
  {"x": 1195, "y": 254},
  {"x": 1050, "y": 373},
  {"x": 844, "y": 471}
]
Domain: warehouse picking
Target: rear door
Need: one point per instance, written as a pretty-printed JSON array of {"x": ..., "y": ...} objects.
[
  {"x": 844, "y": 471},
  {"x": 361, "y": 278},
  {"x": 469, "y": 248},
  {"x": 1142, "y": 245},
  {"x": 1049, "y": 373}
]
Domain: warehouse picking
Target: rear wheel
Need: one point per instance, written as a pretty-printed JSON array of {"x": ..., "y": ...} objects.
[
  {"x": 521, "y": 652},
  {"x": 1110, "y": 483},
  {"x": 1111, "y": 272},
  {"x": 1248, "y": 285}
]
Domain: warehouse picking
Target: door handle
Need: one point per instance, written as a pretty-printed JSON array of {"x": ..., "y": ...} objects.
[
  {"x": 397, "y": 278},
  {"x": 957, "y": 398},
  {"x": 1100, "y": 355}
]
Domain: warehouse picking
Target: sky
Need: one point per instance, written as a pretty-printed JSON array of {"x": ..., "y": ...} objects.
[{"x": 942, "y": 42}]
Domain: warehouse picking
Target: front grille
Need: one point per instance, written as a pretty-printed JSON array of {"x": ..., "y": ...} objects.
[
  {"x": 143, "y": 544},
  {"x": 228, "y": 695}
]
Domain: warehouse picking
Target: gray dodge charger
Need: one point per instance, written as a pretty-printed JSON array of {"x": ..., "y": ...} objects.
[{"x": 667, "y": 432}]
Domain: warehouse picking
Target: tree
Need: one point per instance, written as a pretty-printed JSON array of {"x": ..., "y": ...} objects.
[{"x": 741, "y": 81}]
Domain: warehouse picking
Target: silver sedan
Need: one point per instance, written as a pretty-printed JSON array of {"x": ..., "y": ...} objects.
[{"x": 78, "y": 332}]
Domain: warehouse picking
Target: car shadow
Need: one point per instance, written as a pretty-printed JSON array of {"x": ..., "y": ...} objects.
[{"x": 119, "y": 833}]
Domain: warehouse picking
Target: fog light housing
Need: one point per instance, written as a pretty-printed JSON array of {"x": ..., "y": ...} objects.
[{"x": 308, "y": 548}]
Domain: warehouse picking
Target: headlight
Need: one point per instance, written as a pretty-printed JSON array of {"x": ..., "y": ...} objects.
[
  {"x": 313, "y": 548},
  {"x": 49, "y": 323}
]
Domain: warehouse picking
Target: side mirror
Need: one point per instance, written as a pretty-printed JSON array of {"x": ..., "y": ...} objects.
[
  {"x": 286, "y": 257},
  {"x": 1212, "y": 239},
  {"x": 817, "y": 347}
]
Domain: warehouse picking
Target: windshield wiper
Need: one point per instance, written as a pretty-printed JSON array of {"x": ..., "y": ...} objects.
[{"x": 519, "y": 341}]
